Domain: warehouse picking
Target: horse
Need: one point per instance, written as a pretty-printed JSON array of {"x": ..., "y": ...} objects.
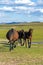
[
  {"x": 28, "y": 36},
  {"x": 13, "y": 35}
]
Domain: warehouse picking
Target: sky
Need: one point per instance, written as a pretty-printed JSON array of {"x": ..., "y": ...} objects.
[{"x": 21, "y": 10}]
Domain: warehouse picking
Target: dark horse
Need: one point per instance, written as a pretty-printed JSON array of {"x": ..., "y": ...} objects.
[
  {"x": 28, "y": 36},
  {"x": 21, "y": 36},
  {"x": 13, "y": 35}
]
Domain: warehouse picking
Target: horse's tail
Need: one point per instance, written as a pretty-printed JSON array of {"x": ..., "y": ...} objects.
[{"x": 9, "y": 33}]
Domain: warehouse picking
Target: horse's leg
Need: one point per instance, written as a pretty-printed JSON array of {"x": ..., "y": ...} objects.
[
  {"x": 21, "y": 42},
  {"x": 25, "y": 43},
  {"x": 29, "y": 43},
  {"x": 14, "y": 44},
  {"x": 11, "y": 45}
]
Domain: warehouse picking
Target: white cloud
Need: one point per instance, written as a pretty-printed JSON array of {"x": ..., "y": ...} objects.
[
  {"x": 41, "y": 10},
  {"x": 24, "y": 8},
  {"x": 28, "y": 2},
  {"x": 36, "y": 9},
  {"x": 21, "y": 8},
  {"x": 29, "y": 9},
  {"x": 7, "y": 8},
  {"x": 21, "y": 1}
]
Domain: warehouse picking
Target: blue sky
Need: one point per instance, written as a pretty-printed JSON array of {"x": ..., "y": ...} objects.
[{"x": 21, "y": 10}]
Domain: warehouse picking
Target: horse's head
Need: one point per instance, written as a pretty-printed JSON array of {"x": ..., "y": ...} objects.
[
  {"x": 31, "y": 30},
  {"x": 22, "y": 31}
]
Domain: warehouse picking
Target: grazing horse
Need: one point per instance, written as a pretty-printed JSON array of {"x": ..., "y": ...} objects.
[
  {"x": 13, "y": 35},
  {"x": 28, "y": 36}
]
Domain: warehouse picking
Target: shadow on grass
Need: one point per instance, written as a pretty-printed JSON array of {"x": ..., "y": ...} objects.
[{"x": 4, "y": 47}]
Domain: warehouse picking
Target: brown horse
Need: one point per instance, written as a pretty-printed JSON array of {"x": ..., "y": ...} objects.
[
  {"x": 13, "y": 35},
  {"x": 28, "y": 36}
]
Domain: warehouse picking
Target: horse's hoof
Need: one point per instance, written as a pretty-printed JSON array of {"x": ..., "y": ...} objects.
[
  {"x": 14, "y": 46},
  {"x": 23, "y": 44},
  {"x": 9, "y": 49},
  {"x": 29, "y": 47}
]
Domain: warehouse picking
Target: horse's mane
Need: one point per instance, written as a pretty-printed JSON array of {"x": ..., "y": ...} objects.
[{"x": 30, "y": 30}]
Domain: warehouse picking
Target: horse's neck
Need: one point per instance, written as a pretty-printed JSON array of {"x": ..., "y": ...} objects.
[{"x": 29, "y": 32}]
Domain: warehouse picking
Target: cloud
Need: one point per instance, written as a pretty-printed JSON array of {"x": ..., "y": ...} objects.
[
  {"x": 28, "y": 2},
  {"x": 13, "y": 2},
  {"x": 21, "y": 8},
  {"x": 29, "y": 9},
  {"x": 6, "y": 9},
  {"x": 41, "y": 10}
]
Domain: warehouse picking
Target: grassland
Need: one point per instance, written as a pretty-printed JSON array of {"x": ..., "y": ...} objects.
[
  {"x": 22, "y": 55},
  {"x": 37, "y": 30}
]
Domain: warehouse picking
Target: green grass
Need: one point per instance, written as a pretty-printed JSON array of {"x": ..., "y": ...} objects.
[{"x": 22, "y": 55}]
